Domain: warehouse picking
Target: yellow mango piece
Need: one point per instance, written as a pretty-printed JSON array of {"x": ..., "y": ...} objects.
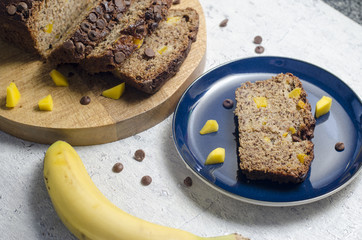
[
  {"x": 301, "y": 104},
  {"x": 46, "y": 104},
  {"x": 323, "y": 106},
  {"x": 210, "y": 127},
  {"x": 173, "y": 20},
  {"x": 114, "y": 92},
  {"x": 292, "y": 130},
  {"x": 267, "y": 139},
  {"x": 295, "y": 93},
  {"x": 216, "y": 156},
  {"x": 138, "y": 42},
  {"x": 12, "y": 95},
  {"x": 301, "y": 157},
  {"x": 59, "y": 79},
  {"x": 162, "y": 50},
  {"x": 48, "y": 28},
  {"x": 260, "y": 102},
  {"x": 285, "y": 134}
]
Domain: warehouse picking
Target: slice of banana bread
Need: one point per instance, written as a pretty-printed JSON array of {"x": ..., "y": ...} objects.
[
  {"x": 89, "y": 30},
  {"x": 37, "y": 25},
  {"x": 162, "y": 53},
  {"x": 275, "y": 127},
  {"x": 141, "y": 19}
]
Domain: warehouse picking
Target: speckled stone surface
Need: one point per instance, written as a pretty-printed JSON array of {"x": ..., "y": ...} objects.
[{"x": 308, "y": 30}]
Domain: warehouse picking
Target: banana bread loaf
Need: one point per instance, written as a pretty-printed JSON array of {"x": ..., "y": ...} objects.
[
  {"x": 37, "y": 25},
  {"x": 275, "y": 127},
  {"x": 162, "y": 53},
  {"x": 141, "y": 19}
]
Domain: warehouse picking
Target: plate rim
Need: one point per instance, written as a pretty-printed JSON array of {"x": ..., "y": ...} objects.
[{"x": 246, "y": 199}]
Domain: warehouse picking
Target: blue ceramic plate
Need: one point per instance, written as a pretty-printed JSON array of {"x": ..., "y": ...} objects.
[{"x": 330, "y": 170}]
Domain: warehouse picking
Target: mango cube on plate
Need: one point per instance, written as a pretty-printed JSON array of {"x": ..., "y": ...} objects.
[
  {"x": 323, "y": 106},
  {"x": 216, "y": 156},
  {"x": 210, "y": 127}
]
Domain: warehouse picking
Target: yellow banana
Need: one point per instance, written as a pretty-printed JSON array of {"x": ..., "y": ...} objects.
[{"x": 88, "y": 214}]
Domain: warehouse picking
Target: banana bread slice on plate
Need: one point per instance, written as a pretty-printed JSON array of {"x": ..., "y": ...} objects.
[
  {"x": 142, "y": 18},
  {"x": 38, "y": 25},
  {"x": 275, "y": 127},
  {"x": 162, "y": 53}
]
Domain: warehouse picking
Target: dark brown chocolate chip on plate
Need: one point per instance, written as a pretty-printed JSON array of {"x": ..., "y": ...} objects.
[
  {"x": 146, "y": 180},
  {"x": 149, "y": 53},
  {"x": 228, "y": 103},
  {"x": 117, "y": 167},
  {"x": 139, "y": 155},
  {"x": 257, "y": 39},
  {"x": 339, "y": 146},
  {"x": 259, "y": 49},
  {"x": 224, "y": 22},
  {"x": 188, "y": 182},
  {"x": 11, "y": 9},
  {"x": 85, "y": 100}
]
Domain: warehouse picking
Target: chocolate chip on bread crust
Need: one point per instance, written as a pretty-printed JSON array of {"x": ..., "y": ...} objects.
[
  {"x": 93, "y": 29},
  {"x": 171, "y": 43},
  {"x": 110, "y": 54},
  {"x": 275, "y": 129}
]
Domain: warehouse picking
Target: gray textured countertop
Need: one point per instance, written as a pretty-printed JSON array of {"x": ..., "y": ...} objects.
[
  {"x": 350, "y": 8},
  {"x": 309, "y": 30}
]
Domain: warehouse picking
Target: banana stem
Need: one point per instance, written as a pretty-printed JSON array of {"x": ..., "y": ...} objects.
[{"x": 233, "y": 236}]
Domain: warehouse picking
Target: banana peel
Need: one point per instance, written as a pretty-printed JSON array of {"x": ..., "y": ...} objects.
[{"x": 88, "y": 214}]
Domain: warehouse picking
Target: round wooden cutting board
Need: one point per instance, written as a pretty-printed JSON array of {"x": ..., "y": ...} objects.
[{"x": 103, "y": 120}]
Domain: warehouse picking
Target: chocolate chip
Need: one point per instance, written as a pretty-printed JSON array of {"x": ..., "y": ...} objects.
[
  {"x": 149, "y": 53},
  {"x": 139, "y": 155},
  {"x": 140, "y": 29},
  {"x": 296, "y": 138},
  {"x": 228, "y": 103},
  {"x": 257, "y": 39},
  {"x": 99, "y": 10},
  {"x": 120, "y": 4},
  {"x": 259, "y": 49},
  {"x": 88, "y": 49},
  {"x": 101, "y": 23},
  {"x": 224, "y": 22},
  {"x": 119, "y": 57},
  {"x": 22, "y": 7},
  {"x": 107, "y": 17},
  {"x": 92, "y": 17},
  {"x": 93, "y": 35},
  {"x": 79, "y": 47},
  {"x": 146, "y": 180},
  {"x": 68, "y": 44},
  {"x": 339, "y": 146},
  {"x": 85, "y": 100},
  {"x": 117, "y": 167},
  {"x": 85, "y": 26},
  {"x": 175, "y": 2},
  {"x": 158, "y": 17},
  {"x": 11, "y": 9},
  {"x": 148, "y": 15},
  {"x": 188, "y": 182},
  {"x": 154, "y": 25}
]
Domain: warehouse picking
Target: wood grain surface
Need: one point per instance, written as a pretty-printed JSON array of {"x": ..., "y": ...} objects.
[{"x": 103, "y": 120}]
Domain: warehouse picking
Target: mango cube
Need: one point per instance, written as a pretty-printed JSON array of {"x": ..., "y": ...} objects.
[
  {"x": 295, "y": 93},
  {"x": 301, "y": 104},
  {"x": 301, "y": 157},
  {"x": 173, "y": 20},
  {"x": 59, "y": 79},
  {"x": 260, "y": 102},
  {"x": 210, "y": 127},
  {"x": 12, "y": 95},
  {"x": 162, "y": 50},
  {"x": 216, "y": 156},
  {"x": 48, "y": 28},
  {"x": 46, "y": 104},
  {"x": 323, "y": 106},
  {"x": 114, "y": 92}
]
